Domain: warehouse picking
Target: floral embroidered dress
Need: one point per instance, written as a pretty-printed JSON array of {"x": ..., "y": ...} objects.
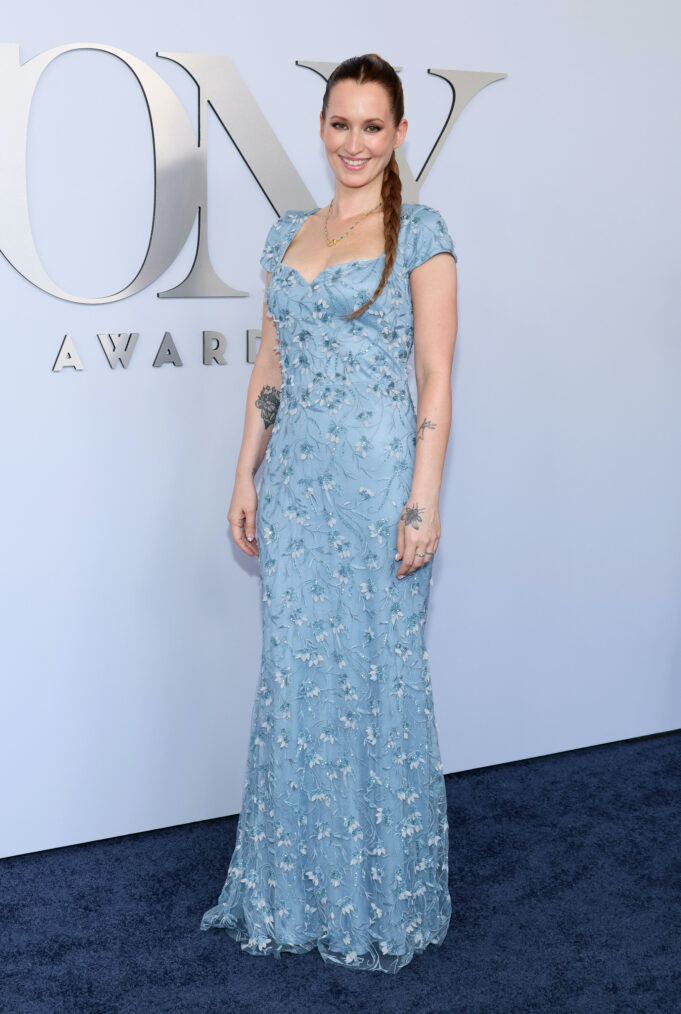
[{"x": 342, "y": 839}]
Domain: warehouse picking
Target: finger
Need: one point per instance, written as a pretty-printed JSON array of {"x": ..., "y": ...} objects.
[
  {"x": 250, "y": 548},
  {"x": 250, "y": 526},
  {"x": 407, "y": 561},
  {"x": 400, "y": 540},
  {"x": 428, "y": 554},
  {"x": 238, "y": 534},
  {"x": 418, "y": 559}
]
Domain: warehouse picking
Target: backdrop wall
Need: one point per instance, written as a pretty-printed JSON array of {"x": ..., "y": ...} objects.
[{"x": 131, "y": 626}]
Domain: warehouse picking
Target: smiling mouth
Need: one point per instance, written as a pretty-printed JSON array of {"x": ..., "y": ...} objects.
[{"x": 354, "y": 163}]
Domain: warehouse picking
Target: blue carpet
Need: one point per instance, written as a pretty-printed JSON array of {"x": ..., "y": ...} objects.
[{"x": 566, "y": 892}]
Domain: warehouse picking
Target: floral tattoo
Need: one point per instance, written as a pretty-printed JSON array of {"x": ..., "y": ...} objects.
[
  {"x": 426, "y": 424},
  {"x": 411, "y": 515},
  {"x": 268, "y": 403}
]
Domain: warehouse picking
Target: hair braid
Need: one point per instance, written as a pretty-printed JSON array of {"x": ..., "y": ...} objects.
[
  {"x": 372, "y": 67},
  {"x": 391, "y": 195}
]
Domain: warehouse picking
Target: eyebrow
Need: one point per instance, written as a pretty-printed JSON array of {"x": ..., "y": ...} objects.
[{"x": 372, "y": 119}]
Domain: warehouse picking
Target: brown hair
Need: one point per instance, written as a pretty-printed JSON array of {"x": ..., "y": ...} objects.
[{"x": 372, "y": 67}]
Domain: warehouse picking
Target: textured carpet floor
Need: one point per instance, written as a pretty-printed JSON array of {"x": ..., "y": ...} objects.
[{"x": 565, "y": 884}]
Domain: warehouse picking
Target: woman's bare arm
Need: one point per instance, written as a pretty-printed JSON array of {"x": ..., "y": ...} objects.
[
  {"x": 434, "y": 297},
  {"x": 262, "y": 403}
]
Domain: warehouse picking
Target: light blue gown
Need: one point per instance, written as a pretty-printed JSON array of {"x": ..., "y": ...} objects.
[{"x": 342, "y": 840}]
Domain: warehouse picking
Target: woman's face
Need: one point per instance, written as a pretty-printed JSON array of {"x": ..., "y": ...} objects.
[{"x": 358, "y": 132}]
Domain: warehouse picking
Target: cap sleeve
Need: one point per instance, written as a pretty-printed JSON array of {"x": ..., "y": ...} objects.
[
  {"x": 272, "y": 251},
  {"x": 428, "y": 235}
]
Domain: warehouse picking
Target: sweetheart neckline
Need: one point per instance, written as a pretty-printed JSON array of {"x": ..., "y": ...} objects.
[{"x": 338, "y": 264}]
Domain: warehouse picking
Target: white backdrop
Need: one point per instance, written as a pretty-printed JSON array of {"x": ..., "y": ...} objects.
[{"x": 130, "y": 625}]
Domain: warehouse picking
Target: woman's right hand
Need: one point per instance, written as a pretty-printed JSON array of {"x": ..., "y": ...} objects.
[{"x": 241, "y": 515}]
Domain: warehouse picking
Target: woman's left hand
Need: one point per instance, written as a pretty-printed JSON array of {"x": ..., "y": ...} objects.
[{"x": 418, "y": 531}]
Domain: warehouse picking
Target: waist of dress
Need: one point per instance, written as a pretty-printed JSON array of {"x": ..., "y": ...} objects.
[
  {"x": 323, "y": 389},
  {"x": 396, "y": 411}
]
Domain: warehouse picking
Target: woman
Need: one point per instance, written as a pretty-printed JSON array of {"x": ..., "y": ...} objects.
[{"x": 342, "y": 840}]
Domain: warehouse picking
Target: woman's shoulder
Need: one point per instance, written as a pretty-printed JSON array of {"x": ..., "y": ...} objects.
[
  {"x": 425, "y": 232},
  {"x": 289, "y": 220},
  {"x": 293, "y": 214},
  {"x": 288, "y": 216},
  {"x": 280, "y": 233},
  {"x": 420, "y": 213}
]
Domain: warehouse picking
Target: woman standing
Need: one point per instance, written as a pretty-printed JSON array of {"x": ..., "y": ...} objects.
[{"x": 342, "y": 840}]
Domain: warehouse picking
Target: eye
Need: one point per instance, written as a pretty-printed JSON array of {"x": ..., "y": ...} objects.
[{"x": 373, "y": 127}]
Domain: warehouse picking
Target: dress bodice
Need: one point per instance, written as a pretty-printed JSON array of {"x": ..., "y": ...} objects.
[
  {"x": 343, "y": 287},
  {"x": 314, "y": 337}
]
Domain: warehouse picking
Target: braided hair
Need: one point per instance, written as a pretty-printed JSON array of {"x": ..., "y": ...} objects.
[{"x": 372, "y": 67}]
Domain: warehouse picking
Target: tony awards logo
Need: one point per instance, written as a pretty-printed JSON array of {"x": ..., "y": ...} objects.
[{"x": 180, "y": 175}]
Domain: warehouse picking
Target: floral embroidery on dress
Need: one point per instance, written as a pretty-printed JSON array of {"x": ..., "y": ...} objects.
[{"x": 342, "y": 839}]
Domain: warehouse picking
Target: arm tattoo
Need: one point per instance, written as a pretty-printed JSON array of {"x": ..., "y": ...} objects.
[
  {"x": 268, "y": 403},
  {"x": 412, "y": 515},
  {"x": 426, "y": 424}
]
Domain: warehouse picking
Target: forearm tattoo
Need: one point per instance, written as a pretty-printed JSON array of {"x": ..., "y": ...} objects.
[
  {"x": 426, "y": 424},
  {"x": 411, "y": 515},
  {"x": 268, "y": 403}
]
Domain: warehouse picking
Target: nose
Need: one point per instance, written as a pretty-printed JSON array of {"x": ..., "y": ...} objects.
[{"x": 354, "y": 143}]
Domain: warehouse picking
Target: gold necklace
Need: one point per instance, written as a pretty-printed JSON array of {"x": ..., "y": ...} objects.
[{"x": 332, "y": 242}]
